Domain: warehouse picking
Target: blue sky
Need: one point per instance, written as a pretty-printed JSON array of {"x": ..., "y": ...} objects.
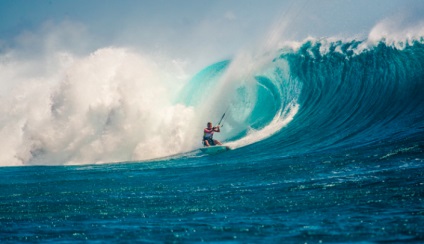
[{"x": 190, "y": 28}]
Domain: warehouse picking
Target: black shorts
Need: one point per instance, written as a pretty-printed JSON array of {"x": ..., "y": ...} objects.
[{"x": 210, "y": 140}]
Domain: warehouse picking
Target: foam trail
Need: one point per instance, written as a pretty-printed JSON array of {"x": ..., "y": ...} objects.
[{"x": 281, "y": 119}]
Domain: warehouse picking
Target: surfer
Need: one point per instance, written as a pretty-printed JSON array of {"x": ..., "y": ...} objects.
[{"x": 208, "y": 135}]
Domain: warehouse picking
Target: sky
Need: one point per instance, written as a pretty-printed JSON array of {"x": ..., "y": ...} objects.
[{"x": 199, "y": 31}]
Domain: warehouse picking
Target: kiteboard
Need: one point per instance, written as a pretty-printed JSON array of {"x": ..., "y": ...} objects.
[{"x": 215, "y": 149}]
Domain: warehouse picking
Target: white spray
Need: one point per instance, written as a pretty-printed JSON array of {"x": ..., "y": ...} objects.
[{"x": 112, "y": 105}]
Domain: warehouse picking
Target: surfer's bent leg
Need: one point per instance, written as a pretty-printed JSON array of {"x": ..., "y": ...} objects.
[
  {"x": 217, "y": 142},
  {"x": 211, "y": 142},
  {"x": 206, "y": 143}
]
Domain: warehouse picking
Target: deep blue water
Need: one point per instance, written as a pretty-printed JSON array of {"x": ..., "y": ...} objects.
[{"x": 347, "y": 168}]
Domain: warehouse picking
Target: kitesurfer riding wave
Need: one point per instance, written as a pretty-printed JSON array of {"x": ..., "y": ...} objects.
[{"x": 208, "y": 135}]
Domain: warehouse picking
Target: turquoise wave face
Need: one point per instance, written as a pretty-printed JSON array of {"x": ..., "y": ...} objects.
[
  {"x": 353, "y": 96},
  {"x": 349, "y": 95},
  {"x": 197, "y": 89}
]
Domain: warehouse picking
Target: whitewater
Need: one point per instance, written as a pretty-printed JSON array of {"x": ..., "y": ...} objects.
[{"x": 327, "y": 138}]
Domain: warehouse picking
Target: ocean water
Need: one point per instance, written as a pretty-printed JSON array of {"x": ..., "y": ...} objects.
[{"x": 327, "y": 143}]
